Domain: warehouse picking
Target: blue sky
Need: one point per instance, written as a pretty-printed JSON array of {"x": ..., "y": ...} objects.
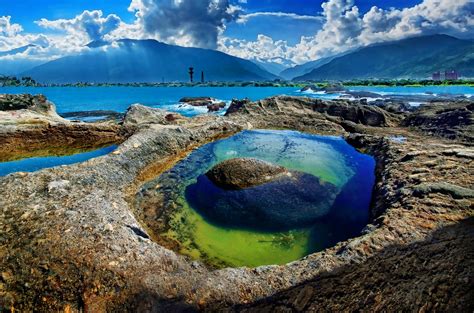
[
  {"x": 280, "y": 31},
  {"x": 25, "y": 12}
]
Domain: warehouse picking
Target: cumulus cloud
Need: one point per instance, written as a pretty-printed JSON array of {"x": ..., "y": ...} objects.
[
  {"x": 194, "y": 23},
  {"x": 346, "y": 28},
  {"x": 8, "y": 29},
  {"x": 89, "y": 25},
  {"x": 244, "y": 18},
  {"x": 11, "y": 36},
  {"x": 264, "y": 49}
]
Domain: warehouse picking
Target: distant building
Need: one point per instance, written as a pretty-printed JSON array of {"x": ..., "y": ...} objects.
[
  {"x": 451, "y": 75},
  {"x": 436, "y": 76}
]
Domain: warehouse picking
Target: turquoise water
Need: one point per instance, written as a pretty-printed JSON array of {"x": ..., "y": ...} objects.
[
  {"x": 331, "y": 159},
  {"x": 72, "y": 99},
  {"x": 38, "y": 163}
]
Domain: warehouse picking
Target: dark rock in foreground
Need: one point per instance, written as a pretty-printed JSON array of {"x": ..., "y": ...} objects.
[
  {"x": 243, "y": 173},
  {"x": 288, "y": 202}
]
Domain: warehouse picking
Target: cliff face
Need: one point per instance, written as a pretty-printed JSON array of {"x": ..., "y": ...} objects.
[{"x": 72, "y": 239}]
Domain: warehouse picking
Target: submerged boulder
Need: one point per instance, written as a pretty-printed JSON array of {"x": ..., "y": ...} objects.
[
  {"x": 240, "y": 173},
  {"x": 253, "y": 194}
]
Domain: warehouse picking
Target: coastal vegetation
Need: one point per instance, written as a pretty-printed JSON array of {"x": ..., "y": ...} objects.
[{"x": 12, "y": 81}]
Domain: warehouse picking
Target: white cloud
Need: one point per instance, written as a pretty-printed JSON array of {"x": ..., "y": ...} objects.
[
  {"x": 263, "y": 49},
  {"x": 194, "y": 23},
  {"x": 88, "y": 26},
  {"x": 7, "y": 29},
  {"x": 202, "y": 23},
  {"x": 346, "y": 28}
]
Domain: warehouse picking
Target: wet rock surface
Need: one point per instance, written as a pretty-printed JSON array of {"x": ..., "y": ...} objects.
[
  {"x": 71, "y": 239},
  {"x": 240, "y": 173},
  {"x": 288, "y": 200},
  {"x": 453, "y": 120}
]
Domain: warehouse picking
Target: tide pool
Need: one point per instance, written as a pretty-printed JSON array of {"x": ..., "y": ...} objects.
[
  {"x": 38, "y": 163},
  {"x": 330, "y": 159}
]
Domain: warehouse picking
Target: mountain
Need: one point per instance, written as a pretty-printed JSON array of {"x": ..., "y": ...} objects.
[
  {"x": 127, "y": 61},
  {"x": 16, "y": 50},
  {"x": 416, "y": 57},
  {"x": 271, "y": 67},
  {"x": 13, "y": 66},
  {"x": 305, "y": 68}
]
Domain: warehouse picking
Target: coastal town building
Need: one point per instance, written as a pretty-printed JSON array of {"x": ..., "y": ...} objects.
[
  {"x": 451, "y": 75},
  {"x": 448, "y": 75}
]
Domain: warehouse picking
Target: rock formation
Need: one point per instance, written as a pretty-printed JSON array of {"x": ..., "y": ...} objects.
[
  {"x": 72, "y": 239},
  {"x": 35, "y": 129}
]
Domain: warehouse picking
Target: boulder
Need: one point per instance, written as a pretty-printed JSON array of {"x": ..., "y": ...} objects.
[
  {"x": 252, "y": 194},
  {"x": 236, "y": 105},
  {"x": 214, "y": 107},
  {"x": 37, "y": 104},
  {"x": 197, "y": 101},
  {"x": 240, "y": 173}
]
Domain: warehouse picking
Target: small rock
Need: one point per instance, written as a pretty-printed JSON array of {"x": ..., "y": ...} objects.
[{"x": 58, "y": 185}]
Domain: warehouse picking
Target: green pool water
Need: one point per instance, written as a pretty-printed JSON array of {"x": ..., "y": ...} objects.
[{"x": 329, "y": 158}]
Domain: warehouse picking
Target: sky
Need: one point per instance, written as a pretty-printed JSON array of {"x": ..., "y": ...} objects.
[{"x": 287, "y": 32}]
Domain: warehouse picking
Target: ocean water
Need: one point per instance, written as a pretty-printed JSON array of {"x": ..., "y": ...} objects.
[
  {"x": 330, "y": 159},
  {"x": 73, "y": 99},
  {"x": 38, "y": 163}
]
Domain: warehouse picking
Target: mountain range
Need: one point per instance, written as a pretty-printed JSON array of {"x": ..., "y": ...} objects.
[
  {"x": 416, "y": 57},
  {"x": 127, "y": 61}
]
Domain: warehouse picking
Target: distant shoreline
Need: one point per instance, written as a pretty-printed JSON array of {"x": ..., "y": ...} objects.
[{"x": 13, "y": 82}]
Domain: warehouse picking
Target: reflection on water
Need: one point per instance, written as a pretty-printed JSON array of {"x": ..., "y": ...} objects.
[{"x": 330, "y": 159}]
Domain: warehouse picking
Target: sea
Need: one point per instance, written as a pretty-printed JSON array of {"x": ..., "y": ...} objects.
[{"x": 118, "y": 98}]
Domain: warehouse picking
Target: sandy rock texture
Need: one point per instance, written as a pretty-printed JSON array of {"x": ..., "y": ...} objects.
[{"x": 71, "y": 239}]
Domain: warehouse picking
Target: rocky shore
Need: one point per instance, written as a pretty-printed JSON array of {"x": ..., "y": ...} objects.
[
  {"x": 72, "y": 240},
  {"x": 30, "y": 126}
]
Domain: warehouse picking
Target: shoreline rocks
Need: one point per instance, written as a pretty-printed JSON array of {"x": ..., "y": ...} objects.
[
  {"x": 83, "y": 244},
  {"x": 37, "y": 130},
  {"x": 212, "y": 104}
]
